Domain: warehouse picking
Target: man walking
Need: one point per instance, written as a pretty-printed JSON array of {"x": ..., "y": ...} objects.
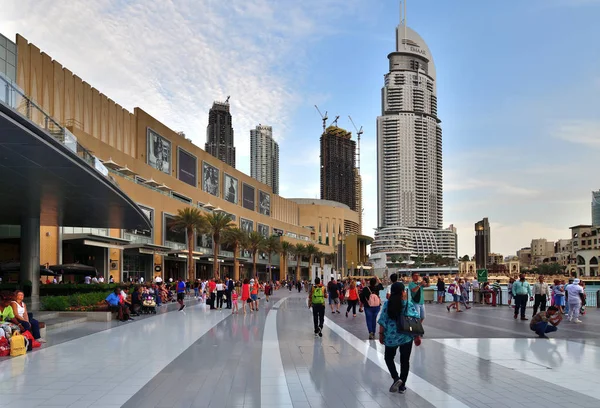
[
  {"x": 575, "y": 297},
  {"x": 228, "y": 290},
  {"x": 316, "y": 300},
  {"x": 521, "y": 291},
  {"x": 541, "y": 293},
  {"x": 181, "y": 293},
  {"x": 334, "y": 296}
]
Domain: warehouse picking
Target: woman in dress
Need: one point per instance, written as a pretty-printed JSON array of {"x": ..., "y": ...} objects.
[{"x": 246, "y": 294}]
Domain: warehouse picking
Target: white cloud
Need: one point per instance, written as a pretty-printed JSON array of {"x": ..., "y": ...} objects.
[
  {"x": 585, "y": 132},
  {"x": 174, "y": 58}
]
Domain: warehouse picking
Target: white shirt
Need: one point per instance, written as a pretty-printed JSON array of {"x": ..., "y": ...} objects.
[
  {"x": 220, "y": 287},
  {"x": 88, "y": 280},
  {"x": 142, "y": 279},
  {"x": 475, "y": 284},
  {"x": 101, "y": 279},
  {"x": 94, "y": 280},
  {"x": 541, "y": 289},
  {"x": 574, "y": 291}
]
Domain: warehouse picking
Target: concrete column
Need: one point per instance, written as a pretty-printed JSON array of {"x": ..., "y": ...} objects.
[{"x": 30, "y": 257}]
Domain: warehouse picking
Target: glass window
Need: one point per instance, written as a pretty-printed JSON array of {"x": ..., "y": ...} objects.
[
  {"x": 173, "y": 236},
  {"x": 11, "y": 58},
  {"x": 3, "y": 53}
]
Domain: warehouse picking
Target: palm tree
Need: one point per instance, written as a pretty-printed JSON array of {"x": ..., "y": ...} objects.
[
  {"x": 218, "y": 223},
  {"x": 311, "y": 251},
  {"x": 272, "y": 246},
  {"x": 287, "y": 248},
  {"x": 189, "y": 220},
  {"x": 255, "y": 243},
  {"x": 299, "y": 251},
  {"x": 236, "y": 238}
]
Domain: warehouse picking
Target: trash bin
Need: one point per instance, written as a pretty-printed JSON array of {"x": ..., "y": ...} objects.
[{"x": 429, "y": 295}]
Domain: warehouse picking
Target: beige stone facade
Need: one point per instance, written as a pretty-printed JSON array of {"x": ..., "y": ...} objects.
[{"x": 163, "y": 171}]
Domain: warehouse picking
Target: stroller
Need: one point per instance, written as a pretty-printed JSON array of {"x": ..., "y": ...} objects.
[{"x": 148, "y": 305}]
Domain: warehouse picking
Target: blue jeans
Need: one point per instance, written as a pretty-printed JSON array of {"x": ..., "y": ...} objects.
[
  {"x": 196, "y": 292},
  {"x": 371, "y": 316},
  {"x": 543, "y": 328}
]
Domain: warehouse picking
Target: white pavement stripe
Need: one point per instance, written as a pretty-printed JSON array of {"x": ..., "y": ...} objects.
[
  {"x": 424, "y": 389},
  {"x": 113, "y": 365},
  {"x": 573, "y": 365},
  {"x": 274, "y": 391}
]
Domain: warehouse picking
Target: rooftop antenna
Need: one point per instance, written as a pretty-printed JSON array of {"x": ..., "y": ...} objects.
[
  {"x": 227, "y": 100},
  {"x": 405, "y": 25},
  {"x": 358, "y": 133},
  {"x": 324, "y": 118}
]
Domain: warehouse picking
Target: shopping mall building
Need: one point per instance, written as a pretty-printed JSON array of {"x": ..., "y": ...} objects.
[{"x": 160, "y": 171}]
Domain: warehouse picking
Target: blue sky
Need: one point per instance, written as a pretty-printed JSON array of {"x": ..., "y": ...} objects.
[{"x": 518, "y": 88}]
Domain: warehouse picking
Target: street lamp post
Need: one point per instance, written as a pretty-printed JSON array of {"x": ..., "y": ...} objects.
[{"x": 342, "y": 243}]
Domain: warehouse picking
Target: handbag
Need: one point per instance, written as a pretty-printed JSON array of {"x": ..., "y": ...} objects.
[{"x": 409, "y": 325}]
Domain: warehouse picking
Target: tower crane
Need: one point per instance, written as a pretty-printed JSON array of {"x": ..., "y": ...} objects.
[
  {"x": 324, "y": 118},
  {"x": 334, "y": 123},
  {"x": 358, "y": 133}
]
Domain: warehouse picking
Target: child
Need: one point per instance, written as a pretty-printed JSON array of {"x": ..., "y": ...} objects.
[{"x": 234, "y": 300}]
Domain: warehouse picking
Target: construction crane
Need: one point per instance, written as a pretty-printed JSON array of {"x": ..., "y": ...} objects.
[
  {"x": 334, "y": 123},
  {"x": 324, "y": 118},
  {"x": 358, "y": 133},
  {"x": 227, "y": 100}
]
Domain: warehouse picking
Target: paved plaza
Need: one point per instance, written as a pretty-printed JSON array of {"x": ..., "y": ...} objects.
[{"x": 201, "y": 358}]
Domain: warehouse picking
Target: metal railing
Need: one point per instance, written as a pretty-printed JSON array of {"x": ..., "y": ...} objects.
[
  {"x": 502, "y": 298},
  {"x": 12, "y": 96}
]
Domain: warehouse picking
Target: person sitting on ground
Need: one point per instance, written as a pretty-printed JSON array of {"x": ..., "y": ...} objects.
[
  {"x": 25, "y": 318},
  {"x": 136, "y": 301},
  {"x": 546, "y": 322},
  {"x": 115, "y": 305},
  {"x": 8, "y": 320}
]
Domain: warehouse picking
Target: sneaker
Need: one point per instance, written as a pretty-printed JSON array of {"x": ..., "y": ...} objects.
[
  {"x": 570, "y": 319},
  {"x": 542, "y": 336},
  {"x": 524, "y": 318},
  {"x": 371, "y": 336},
  {"x": 130, "y": 319},
  {"x": 577, "y": 321},
  {"x": 337, "y": 311},
  {"x": 181, "y": 308},
  {"x": 402, "y": 389},
  {"x": 320, "y": 332},
  {"x": 41, "y": 340},
  {"x": 417, "y": 341},
  {"x": 396, "y": 385}
]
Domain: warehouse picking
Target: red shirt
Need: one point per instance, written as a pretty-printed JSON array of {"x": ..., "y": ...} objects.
[{"x": 212, "y": 286}]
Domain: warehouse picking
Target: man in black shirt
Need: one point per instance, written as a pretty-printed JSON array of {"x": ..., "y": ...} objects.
[{"x": 334, "y": 296}]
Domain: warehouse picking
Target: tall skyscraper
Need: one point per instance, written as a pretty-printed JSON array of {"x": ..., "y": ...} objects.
[
  {"x": 219, "y": 133},
  {"x": 409, "y": 138},
  {"x": 409, "y": 155},
  {"x": 482, "y": 243},
  {"x": 596, "y": 208},
  {"x": 264, "y": 157},
  {"x": 338, "y": 167}
]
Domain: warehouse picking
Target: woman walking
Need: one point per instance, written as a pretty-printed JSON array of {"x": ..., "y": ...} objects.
[
  {"x": 441, "y": 290},
  {"x": 352, "y": 298},
  {"x": 220, "y": 294},
  {"x": 389, "y": 336},
  {"x": 246, "y": 294},
  {"x": 454, "y": 289},
  {"x": 371, "y": 303}
]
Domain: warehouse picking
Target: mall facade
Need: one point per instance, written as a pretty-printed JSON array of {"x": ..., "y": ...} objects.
[{"x": 161, "y": 171}]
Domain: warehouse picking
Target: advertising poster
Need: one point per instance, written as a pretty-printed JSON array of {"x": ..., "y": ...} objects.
[
  {"x": 264, "y": 203},
  {"x": 230, "y": 189},
  {"x": 246, "y": 225},
  {"x": 210, "y": 179},
  {"x": 158, "y": 152},
  {"x": 263, "y": 230},
  {"x": 248, "y": 197},
  {"x": 187, "y": 167}
]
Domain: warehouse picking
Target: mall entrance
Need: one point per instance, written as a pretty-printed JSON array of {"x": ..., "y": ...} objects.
[
  {"x": 137, "y": 265},
  {"x": 94, "y": 256},
  {"x": 175, "y": 268}
]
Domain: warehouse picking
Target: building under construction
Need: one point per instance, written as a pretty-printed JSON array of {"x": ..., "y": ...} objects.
[{"x": 338, "y": 168}]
